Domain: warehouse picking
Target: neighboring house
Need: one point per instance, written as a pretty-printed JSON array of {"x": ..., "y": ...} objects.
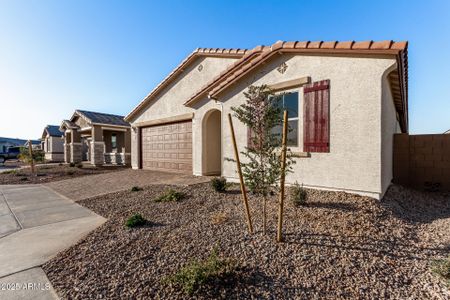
[
  {"x": 35, "y": 144},
  {"x": 5, "y": 143},
  {"x": 95, "y": 137},
  {"x": 53, "y": 143},
  {"x": 346, "y": 101}
]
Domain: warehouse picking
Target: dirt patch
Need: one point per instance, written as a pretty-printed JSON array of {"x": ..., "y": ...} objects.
[
  {"x": 50, "y": 173},
  {"x": 337, "y": 246}
]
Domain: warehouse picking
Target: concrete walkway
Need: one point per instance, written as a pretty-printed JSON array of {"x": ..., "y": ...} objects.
[{"x": 35, "y": 224}]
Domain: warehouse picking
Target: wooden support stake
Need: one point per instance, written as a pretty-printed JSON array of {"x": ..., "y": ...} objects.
[
  {"x": 282, "y": 177},
  {"x": 241, "y": 179},
  {"x": 30, "y": 151}
]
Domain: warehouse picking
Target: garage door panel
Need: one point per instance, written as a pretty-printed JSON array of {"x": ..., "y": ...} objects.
[{"x": 168, "y": 147}]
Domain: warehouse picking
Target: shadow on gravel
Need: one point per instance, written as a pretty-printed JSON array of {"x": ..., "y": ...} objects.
[
  {"x": 391, "y": 248},
  {"x": 416, "y": 206},
  {"x": 244, "y": 280},
  {"x": 332, "y": 205}
]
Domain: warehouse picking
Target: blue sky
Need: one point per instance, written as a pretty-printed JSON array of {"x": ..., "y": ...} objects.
[{"x": 56, "y": 56}]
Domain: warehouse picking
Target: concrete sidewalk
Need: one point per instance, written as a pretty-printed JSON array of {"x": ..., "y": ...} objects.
[{"x": 35, "y": 224}]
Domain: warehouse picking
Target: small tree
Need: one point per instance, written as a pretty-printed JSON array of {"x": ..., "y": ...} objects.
[{"x": 262, "y": 114}]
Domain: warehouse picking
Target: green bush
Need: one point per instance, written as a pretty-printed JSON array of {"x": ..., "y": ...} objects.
[
  {"x": 442, "y": 268},
  {"x": 136, "y": 189},
  {"x": 72, "y": 165},
  {"x": 298, "y": 195},
  {"x": 14, "y": 172},
  {"x": 38, "y": 155},
  {"x": 135, "y": 221},
  {"x": 219, "y": 184},
  {"x": 170, "y": 195},
  {"x": 196, "y": 273}
]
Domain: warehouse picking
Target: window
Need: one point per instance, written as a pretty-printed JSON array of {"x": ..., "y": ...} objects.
[
  {"x": 289, "y": 102},
  {"x": 114, "y": 141}
]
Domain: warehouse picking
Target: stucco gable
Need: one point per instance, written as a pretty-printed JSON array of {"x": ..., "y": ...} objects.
[{"x": 180, "y": 70}]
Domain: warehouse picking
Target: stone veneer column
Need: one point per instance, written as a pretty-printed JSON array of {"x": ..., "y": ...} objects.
[
  {"x": 67, "y": 141},
  {"x": 75, "y": 147},
  {"x": 97, "y": 147}
]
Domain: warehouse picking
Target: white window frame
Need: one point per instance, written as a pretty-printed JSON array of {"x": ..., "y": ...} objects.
[{"x": 299, "y": 118}]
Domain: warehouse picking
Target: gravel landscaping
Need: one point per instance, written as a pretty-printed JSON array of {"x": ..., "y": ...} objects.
[
  {"x": 50, "y": 173},
  {"x": 336, "y": 246}
]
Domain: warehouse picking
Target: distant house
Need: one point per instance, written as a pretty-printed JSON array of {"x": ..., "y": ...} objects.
[
  {"x": 35, "y": 144},
  {"x": 5, "y": 143},
  {"x": 447, "y": 132},
  {"x": 98, "y": 138},
  {"x": 53, "y": 143}
]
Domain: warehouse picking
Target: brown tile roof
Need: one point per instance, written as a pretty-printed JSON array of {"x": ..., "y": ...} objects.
[
  {"x": 260, "y": 54},
  {"x": 217, "y": 52}
]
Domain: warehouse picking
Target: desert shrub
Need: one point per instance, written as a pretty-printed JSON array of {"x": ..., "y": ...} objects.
[
  {"x": 72, "y": 165},
  {"x": 170, "y": 195},
  {"x": 38, "y": 155},
  {"x": 14, "y": 172},
  {"x": 136, "y": 189},
  {"x": 196, "y": 273},
  {"x": 298, "y": 195},
  {"x": 79, "y": 165},
  {"x": 442, "y": 268},
  {"x": 219, "y": 218},
  {"x": 219, "y": 184},
  {"x": 135, "y": 221}
]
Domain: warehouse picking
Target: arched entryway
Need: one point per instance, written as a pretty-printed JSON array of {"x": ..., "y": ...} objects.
[{"x": 212, "y": 143}]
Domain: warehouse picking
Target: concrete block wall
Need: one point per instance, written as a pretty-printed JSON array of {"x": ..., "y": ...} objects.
[{"x": 422, "y": 161}]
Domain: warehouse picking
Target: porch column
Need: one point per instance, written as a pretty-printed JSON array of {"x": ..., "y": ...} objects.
[
  {"x": 75, "y": 147},
  {"x": 135, "y": 148},
  {"x": 127, "y": 147},
  {"x": 67, "y": 148},
  {"x": 97, "y": 146}
]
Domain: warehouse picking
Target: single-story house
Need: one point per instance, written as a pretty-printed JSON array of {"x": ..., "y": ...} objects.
[
  {"x": 35, "y": 144},
  {"x": 346, "y": 101},
  {"x": 53, "y": 143},
  {"x": 97, "y": 138},
  {"x": 5, "y": 143}
]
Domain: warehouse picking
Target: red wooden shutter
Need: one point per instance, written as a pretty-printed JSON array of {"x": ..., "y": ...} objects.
[{"x": 316, "y": 117}]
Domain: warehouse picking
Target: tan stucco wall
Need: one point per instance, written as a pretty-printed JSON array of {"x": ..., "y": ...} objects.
[
  {"x": 359, "y": 104},
  {"x": 170, "y": 101},
  {"x": 354, "y": 161},
  {"x": 389, "y": 126}
]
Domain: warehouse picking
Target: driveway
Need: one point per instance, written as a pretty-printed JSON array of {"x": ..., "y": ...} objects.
[
  {"x": 94, "y": 185},
  {"x": 35, "y": 224}
]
